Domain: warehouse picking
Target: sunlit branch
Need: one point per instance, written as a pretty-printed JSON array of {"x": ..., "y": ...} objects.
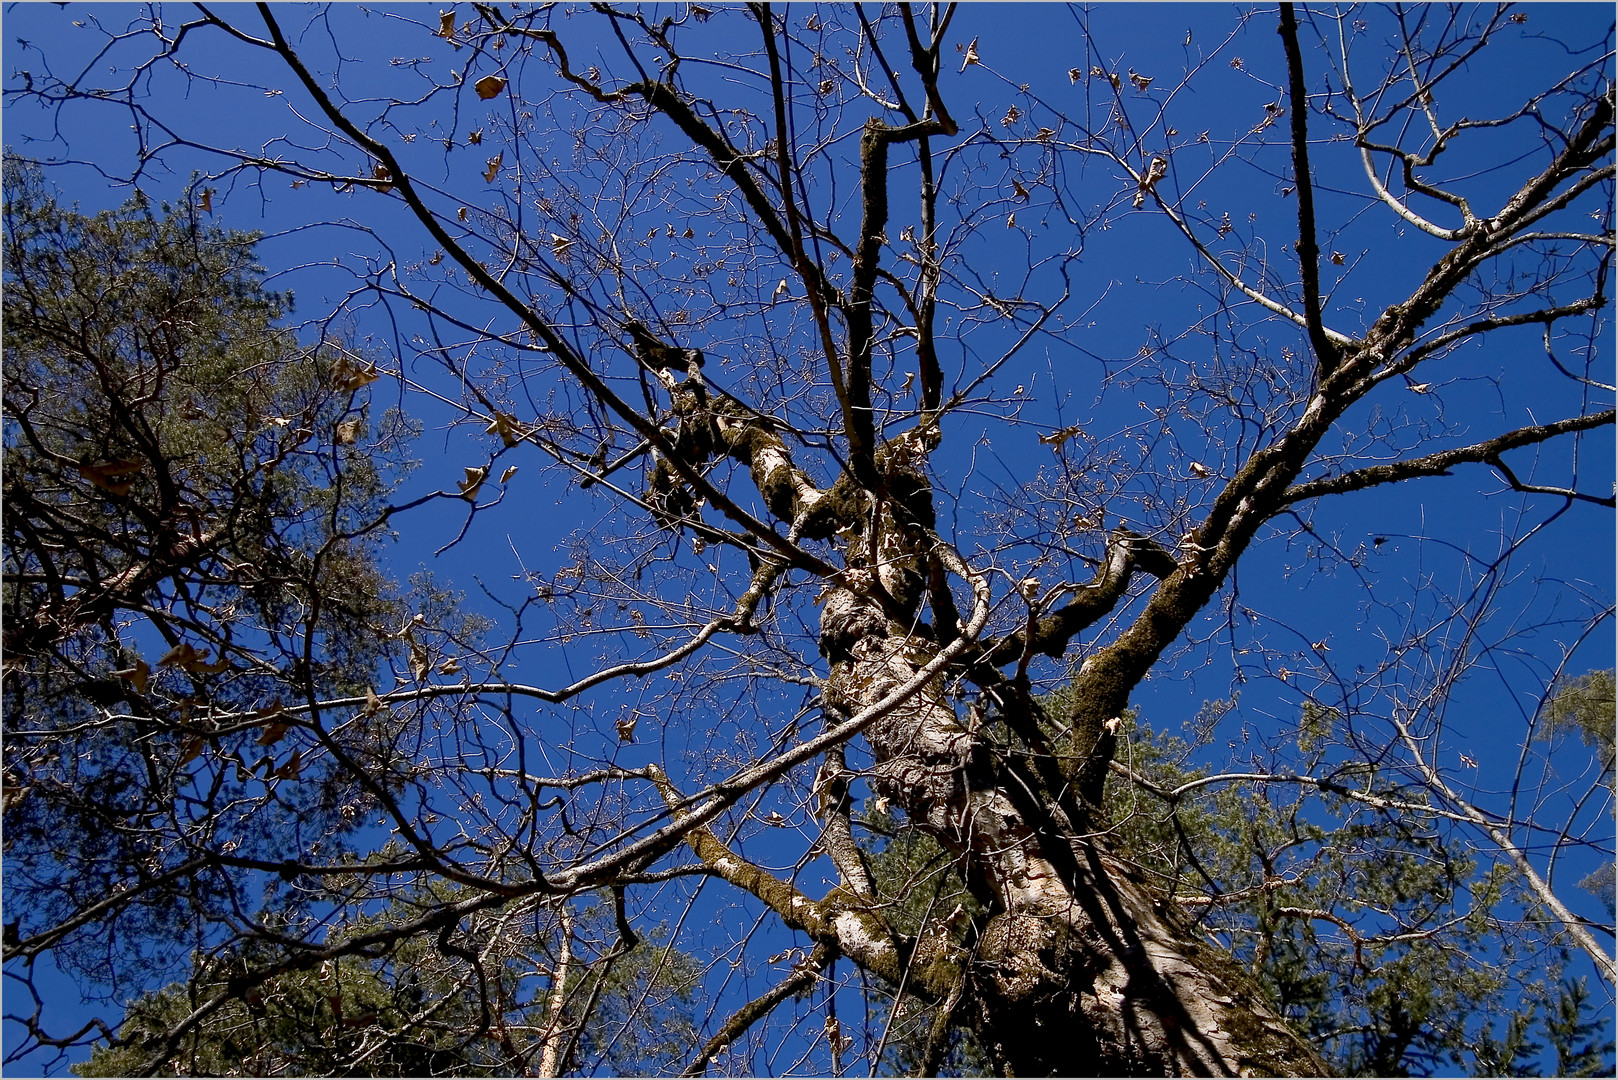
[
  {"x": 1234, "y": 279},
  {"x": 557, "y": 345},
  {"x": 712, "y": 801},
  {"x": 802, "y": 978},
  {"x": 1439, "y": 464},
  {"x": 1501, "y": 838},
  {"x": 1308, "y": 246},
  {"x": 859, "y": 934}
]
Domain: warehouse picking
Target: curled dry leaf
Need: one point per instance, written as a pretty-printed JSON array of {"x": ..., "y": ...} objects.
[
  {"x": 971, "y": 55},
  {"x": 1056, "y": 438},
  {"x": 420, "y": 666},
  {"x": 352, "y": 376},
  {"x": 192, "y": 749},
  {"x": 273, "y": 733},
  {"x": 474, "y": 480},
  {"x": 113, "y": 477},
  {"x": 494, "y": 167},
  {"x": 489, "y": 86},
  {"x": 182, "y": 655},
  {"x": 504, "y": 425},
  {"x": 139, "y": 674},
  {"x": 292, "y": 768}
]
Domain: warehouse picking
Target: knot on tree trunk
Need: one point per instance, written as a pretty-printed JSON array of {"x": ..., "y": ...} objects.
[
  {"x": 847, "y": 620},
  {"x": 1030, "y": 977}
]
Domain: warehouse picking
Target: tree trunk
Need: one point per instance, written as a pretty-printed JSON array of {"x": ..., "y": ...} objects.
[{"x": 1079, "y": 971}]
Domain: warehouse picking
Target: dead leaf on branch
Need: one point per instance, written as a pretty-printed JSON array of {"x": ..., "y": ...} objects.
[
  {"x": 474, "y": 479},
  {"x": 187, "y": 656},
  {"x": 113, "y": 477},
  {"x": 350, "y": 376},
  {"x": 626, "y": 727},
  {"x": 489, "y": 86},
  {"x": 505, "y": 425},
  {"x": 1056, "y": 438},
  {"x": 971, "y": 55},
  {"x": 273, "y": 733},
  {"x": 494, "y": 167},
  {"x": 446, "y": 28},
  {"x": 347, "y": 432},
  {"x": 139, "y": 674},
  {"x": 192, "y": 749},
  {"x": 275, "y": 730},
  {"x": 1148, "y": 183}
]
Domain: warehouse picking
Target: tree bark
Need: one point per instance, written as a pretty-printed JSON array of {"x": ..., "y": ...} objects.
[{"x": 1080, "y": 971}]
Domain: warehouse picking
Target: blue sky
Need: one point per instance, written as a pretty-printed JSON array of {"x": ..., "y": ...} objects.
[{"x": 1137, "y": 285}]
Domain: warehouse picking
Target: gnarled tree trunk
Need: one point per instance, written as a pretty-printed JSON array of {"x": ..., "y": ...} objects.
[{"x": 1080, "y": 972}]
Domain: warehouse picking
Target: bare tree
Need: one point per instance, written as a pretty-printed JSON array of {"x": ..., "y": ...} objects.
[{"x": 743, "y": 276}]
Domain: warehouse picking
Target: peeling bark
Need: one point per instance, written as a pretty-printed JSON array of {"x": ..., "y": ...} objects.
[{"x": 1079, "y": 972}]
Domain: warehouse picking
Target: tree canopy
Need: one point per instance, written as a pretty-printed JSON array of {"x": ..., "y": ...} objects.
[{"x": 955, "y": 539}]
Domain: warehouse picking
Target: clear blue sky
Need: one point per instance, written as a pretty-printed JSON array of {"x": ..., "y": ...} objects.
[{"x": 1138, "y": 264}]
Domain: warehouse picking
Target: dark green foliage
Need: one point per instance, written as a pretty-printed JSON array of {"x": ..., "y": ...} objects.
[
  {"x": 194, "y": 501},
  {"x": 1372, "y": 933},
  {"x": 926, "y": 898},
  {"x": 1585, "y": 704},
  {"x": 424, "y": 1011},
  {"x": 1577, "y": 1036}
]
